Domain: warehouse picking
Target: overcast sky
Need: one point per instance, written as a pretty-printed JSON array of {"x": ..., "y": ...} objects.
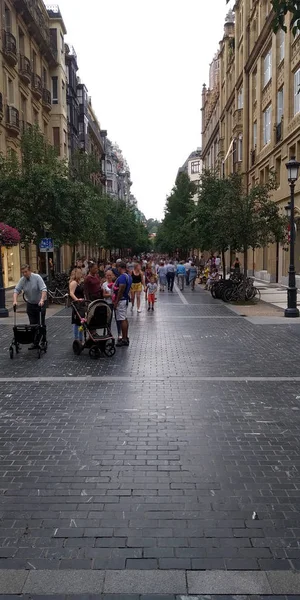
[{"x": 144, "y": 63}]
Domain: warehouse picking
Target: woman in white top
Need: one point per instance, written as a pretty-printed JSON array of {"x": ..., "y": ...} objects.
[{"x": 107, "y": 287}]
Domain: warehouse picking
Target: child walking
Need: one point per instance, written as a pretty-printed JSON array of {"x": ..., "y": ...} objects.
[{"x": 151, "y": 290}]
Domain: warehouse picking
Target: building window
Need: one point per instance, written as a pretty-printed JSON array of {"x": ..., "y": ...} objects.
[
  {"x": 267, "y": 68},
  {"x": 297, "y": 92},
  {"x": 56, "y": 139},
  {"x": 281, "y": 34},
  {"x": 267, "y": 116},
  {"x": 254, "y": 134},
  {"x": 7, "y": 18},
  {"x": 240, "y": 148},
  {"x": 65, "y": 143},
  {"x": 240, "y": 98},
  {"x": 195, "y": 167},
  {"x": 108, "y": 166},
  {"x": 279, "y": 105},
  {"x": 10, "y": 91},
  {"x": 44, "y": 78},
  {"x": 54, "y": 90},
  {"x": 278, "y": 169},
  {"x": 35, "y": 116}
]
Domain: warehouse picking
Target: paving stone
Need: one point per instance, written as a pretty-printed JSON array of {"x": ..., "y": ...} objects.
[
  {"x": 285, "y": 582},
  {"x": 64, "y": 582},
  {"x": 147, "y": 582},
  {"x": 12, "y": 582},
  {"x": 104, "y": 474},
  {"x": 228, "y": 582}
]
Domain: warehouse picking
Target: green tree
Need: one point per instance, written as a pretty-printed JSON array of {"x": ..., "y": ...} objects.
[
  {"x": 281, "y": 9},
  {"x": 152, "y": 225},
  {"x": 213, "y": 231},
  {"x": 176, "y": 231}
]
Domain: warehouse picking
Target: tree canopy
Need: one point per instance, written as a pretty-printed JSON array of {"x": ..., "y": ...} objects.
[
  {"x": 176, "y": 230},
  {"x": 41, "y": 194}
]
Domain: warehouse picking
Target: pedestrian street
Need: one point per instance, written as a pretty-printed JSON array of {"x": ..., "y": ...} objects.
[{"x": 168, "y": 471}]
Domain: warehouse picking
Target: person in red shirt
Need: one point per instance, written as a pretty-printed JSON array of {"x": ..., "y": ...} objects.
[{"x": 92, "y": 283}]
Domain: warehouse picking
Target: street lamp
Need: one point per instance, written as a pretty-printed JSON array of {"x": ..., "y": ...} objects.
[{"x": 293, "y": 172}]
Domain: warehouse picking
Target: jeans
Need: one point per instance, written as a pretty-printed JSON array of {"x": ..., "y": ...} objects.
[
  {"x": 170, "y": 280},
  {"x": 78, "y": 335},
  {"x": 181, "y": 278}
]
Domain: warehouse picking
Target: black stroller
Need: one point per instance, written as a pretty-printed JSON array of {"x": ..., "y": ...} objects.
[
  {"x": 28, "y": 334},
  {"x": 98, "y": 315}
]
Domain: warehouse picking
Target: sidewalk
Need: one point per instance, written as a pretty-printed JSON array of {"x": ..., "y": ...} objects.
[{"x": 137, "y": 477}]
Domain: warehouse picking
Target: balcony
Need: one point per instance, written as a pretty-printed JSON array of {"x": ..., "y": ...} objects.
[
  {"x": 36, "y": 18},
  {"x": 36, "y": 85},
  {"x": 25, "y": 69},
  {"x": 1, "y": 107},
  {"x": 278, "y": 132},
  {"x": 46, "y": 99},
  {"x": 12, "y": 120},
  {"x": 10, "y": 48}
]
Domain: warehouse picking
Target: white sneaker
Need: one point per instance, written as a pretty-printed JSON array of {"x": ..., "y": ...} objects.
[{"x": 139, "y": 310}]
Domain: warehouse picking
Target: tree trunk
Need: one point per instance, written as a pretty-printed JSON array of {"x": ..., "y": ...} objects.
[
  {"x": 223, "y": 263},
  {"x": 245, "y": 272}
]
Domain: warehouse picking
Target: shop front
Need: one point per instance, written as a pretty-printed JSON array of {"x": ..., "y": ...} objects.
[{"x": 10, "y": 265}]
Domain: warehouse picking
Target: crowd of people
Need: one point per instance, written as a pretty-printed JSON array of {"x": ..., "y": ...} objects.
[{"x": 120, "y": 283}]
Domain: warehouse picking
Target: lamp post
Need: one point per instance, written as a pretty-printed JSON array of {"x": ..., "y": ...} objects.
[
  {"x": 293, "y": 171},
  {"x": 3, "y": 309}
]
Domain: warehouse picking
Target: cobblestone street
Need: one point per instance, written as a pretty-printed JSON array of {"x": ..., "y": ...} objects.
[{"x": 141, "y": 475}]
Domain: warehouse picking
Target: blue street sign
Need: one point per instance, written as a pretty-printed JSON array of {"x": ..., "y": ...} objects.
[{"x": 46, "y": 245}]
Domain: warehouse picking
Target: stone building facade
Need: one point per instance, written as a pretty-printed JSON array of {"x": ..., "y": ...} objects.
[{"x": 251, "y": 114}]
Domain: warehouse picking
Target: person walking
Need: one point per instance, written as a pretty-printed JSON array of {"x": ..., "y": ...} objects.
[
  {"x": 236, "y": 267},
  {"x": 76, "y": 292},
  {"x": 187, "y": 266},
  {"x": 162, "y": 276},
  {"x": 193, "y": 276},
  {"x": 92, "y": 283},
  {"x": 151, "y": 292},
  {"x": 202, "y": 263},
  {"x": 181, "y": 274},
  {"x": 121, "y": 300},
  {"x": 35, "y": 293},
  {"x": 170, "y": 275},
  {"x": 138, "y": 282}
]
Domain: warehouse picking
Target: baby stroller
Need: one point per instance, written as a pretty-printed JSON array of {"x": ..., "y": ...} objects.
[
  {"x": 98, "y": 315},
  {"x": 28, "y": 334}
]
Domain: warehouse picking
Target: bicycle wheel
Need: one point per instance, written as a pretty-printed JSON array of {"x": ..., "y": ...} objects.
[{"x": 227, "y": 295}]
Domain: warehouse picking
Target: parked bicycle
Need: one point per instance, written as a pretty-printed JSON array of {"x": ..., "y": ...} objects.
[{"x": 233, "y": 289}]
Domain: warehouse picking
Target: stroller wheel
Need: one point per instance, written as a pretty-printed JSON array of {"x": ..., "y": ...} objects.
[
  {"x": 110, "y": 349},
  {"x": 77, "y": 347},
  {"x": 95, "y": 352},
  {"x": 11, "y": 352}
]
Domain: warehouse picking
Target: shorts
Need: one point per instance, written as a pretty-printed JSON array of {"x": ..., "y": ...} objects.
[
  {"x": 137, "y": 287},
  {"x": 121, "y": 310},
  {"x": 151, "y": 298}
]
